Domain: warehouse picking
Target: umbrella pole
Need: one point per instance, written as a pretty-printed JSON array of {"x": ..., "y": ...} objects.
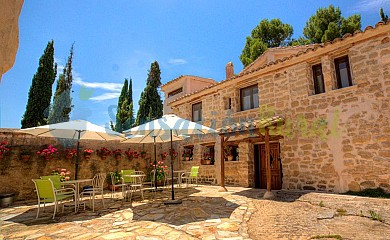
[
  {"x": 77, "y": 157},
  {"x": 155, "y": 163},
  {"x": 173, "y": 201}
]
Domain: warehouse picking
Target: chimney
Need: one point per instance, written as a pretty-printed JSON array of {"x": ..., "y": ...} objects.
[{"x": 229, "y": 70}]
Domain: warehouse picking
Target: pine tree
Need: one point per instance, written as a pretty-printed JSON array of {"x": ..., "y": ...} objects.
[
  {"x": 39, "y": 95},
  {"x": 384, "y": 17},
  {"x": 328, "y": 23},
  {"x": 150, "y": 104},
  {"x": 267, "y": 34},
  {"x": 120, "y": 108},
  {"x": 62, "y": 102}
]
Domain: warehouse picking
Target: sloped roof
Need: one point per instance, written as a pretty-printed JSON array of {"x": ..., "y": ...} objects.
[
  {"x": 251, "y": 125},
  {"x": 310, "y": 48},
  {"x": 182, "y": 76}
]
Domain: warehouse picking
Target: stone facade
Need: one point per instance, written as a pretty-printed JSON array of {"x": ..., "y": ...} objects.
[{"x": 335, "y": 141}]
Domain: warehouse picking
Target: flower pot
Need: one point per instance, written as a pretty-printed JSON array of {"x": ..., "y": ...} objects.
[
  {"x": 104, "y": 157},
  {"x": 187, "y": 159},
  {"x": 25, "y": 157},
  {"x": 143, "y": 155},
  {"x": 111, "y": 187},
  {"x": 118, "y": 157},
  {"x": 6, "y": 199},
  {"x": 87, "y": 156},
  {"x": 230, "y": 158},
  {"x": 206, "y": 162},
  {"x": 47, "y": 158},
  {"x": 68, "y": 157}
]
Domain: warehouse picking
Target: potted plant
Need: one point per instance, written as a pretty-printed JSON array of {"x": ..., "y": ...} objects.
[
  {"x": 70, "y": 153},
  {"x": 174, "y": 153},
  {"x": 3, "y": 149},
  {"x": 160, "y": 172},
  {"x": 87, "y": 153},
  {"x": 186, "y": 155},
  {"x": 64, "y": 174},
  {"x": 47, "y": 152},
  {"x": 129, "y": 154},
  {"x": 103, "y": 152},
  {"x": 164, "y": 155},
  {"x": 25, "y": 154},
  {"x": 143, "y": 154},
  {"x": 117, "y": 179},
  {"x": 117, "y": 153},
  {"x": 228, "y": 153},
  {"x": 206, "y": 159}
]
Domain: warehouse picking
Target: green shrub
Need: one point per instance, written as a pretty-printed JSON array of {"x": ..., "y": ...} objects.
[{"x": 370, "y": 192}]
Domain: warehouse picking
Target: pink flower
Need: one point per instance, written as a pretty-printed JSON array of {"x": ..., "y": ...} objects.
[{"x": 67, "y": 178}]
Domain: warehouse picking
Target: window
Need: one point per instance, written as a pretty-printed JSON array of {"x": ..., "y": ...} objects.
[
  {"x": 177, "y": 91},
  {"x": 343, "y": 72},
  {"x": 197, "y": 112},
  {"x": 188, "y": 153},
  {"x": 228, "y": 103},
  {"x": 318, "y": 79},
  {"x": 249, "y": 97}
]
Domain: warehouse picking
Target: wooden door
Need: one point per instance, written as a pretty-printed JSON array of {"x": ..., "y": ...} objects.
[{"x": 276, "y": 167}]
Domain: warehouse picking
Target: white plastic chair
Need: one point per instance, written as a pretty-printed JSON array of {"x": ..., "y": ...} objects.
[{"x": 97, "y": 189}]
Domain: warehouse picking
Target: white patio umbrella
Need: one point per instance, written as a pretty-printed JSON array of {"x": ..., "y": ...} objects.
[
  {"x": 153, "y": 139},
  {"x": 77, "y": 130},
  {"x": 174, "y": 126}
]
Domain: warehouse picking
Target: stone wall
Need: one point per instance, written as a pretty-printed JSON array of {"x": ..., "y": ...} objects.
[
  {"x": 16, "y": 174},
  {"x": 335, "y": 141}
]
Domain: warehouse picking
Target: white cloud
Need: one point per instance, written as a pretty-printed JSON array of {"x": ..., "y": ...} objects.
[
  {"x": 115, "y": 87},
  {"x": 370, "y": 5},
  {"x": 106, "y": 96},
  {"x": 177, "y": 61}
]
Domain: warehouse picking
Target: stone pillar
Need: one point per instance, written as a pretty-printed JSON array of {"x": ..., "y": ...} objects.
[
  {"x": 327, "y": 66},
  {"x": 217, "y": 160}
]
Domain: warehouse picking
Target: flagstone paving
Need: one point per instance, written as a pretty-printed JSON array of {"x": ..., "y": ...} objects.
[{"x": 205, "y": 214}]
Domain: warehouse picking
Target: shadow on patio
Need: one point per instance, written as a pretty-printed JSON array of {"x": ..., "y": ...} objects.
[{"x": 194, "y": 208}]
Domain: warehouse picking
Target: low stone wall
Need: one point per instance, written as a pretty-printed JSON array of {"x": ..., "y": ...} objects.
[{"x": 16, "y": 174}]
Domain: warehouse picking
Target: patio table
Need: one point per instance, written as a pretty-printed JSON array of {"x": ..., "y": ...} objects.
[
  {"x": 179, "y": 172},
  {"x": 77, "y": 188}
]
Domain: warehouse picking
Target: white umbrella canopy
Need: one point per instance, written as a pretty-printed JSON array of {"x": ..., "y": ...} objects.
[
  {"x": 163, "y": 138},
  {"x": 166, "y": 123},
  {"x": 170, "y": 125},
  {"x": 71, "y": 130},
  {"x": 77, "y": 130}
]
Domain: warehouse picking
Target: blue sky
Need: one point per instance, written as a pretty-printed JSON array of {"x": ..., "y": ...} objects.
[{"x": 119, "y": 39}]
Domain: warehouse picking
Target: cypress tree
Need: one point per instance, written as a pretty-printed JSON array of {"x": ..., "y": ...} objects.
[
  {"x": 130, "y": 121},
  {"x": 150, "y": 104},
  {"x": 62, "y": 102},
  {"x": 121, "y": 107},
  {"x": 39, "y": 95},
  {"x": 384, "y": 17}
]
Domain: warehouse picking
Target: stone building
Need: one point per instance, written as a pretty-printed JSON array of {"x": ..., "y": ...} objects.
[{"x": 335, "y": 101}]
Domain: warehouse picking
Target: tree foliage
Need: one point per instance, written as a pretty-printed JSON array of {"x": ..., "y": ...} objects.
[
  {"x": 384, "y": 17},
  {"x": 40, "y": 93},
  {"x": 327, "y": 24},
  {"x": 150, "y": 104},
  {"x": 125, "y": 112},
  {"x": 62, "y": 102},
  {"x": 267, "y": 34}
]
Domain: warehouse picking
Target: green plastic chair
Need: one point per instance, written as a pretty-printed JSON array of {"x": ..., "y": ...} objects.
[
  {"x": 56, "y": 179},
  {"x": 127, "y": 179},
  {"x": 192, "y": 176},
  {"x": 47, "y": 193}
]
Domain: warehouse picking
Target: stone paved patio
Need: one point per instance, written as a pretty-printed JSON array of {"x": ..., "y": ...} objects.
[{"x": 206, "y": 214}]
